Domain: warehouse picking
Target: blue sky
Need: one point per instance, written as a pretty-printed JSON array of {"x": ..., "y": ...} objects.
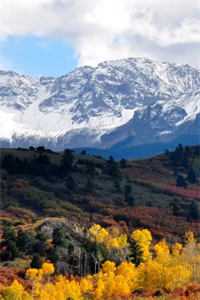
[
  {"x": 51, "y": 37},
  {"x": 39, "y": 56}
]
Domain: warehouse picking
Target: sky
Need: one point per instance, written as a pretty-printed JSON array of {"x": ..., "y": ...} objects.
[{"x": 52, "y": 37}]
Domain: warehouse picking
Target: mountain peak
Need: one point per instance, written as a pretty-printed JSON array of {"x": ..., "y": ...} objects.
[{"x": 158, "y": 95}]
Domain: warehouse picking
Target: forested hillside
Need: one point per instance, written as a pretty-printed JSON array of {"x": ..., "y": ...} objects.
[
  {"x": 39, "y": 183},
  {"x": 50, "y": 203}
]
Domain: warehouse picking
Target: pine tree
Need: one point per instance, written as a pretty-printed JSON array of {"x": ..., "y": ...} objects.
[
  {"x": 59, "y": 237},
  {"x": 194, "y": 213},
  {"x": 36, "y": 261},
  {"x": 67, "y": 161},
  {"x": 191, "y": 176},
  {"x": 135, "y": 253},
  {"x": 128, "y": 195},
  {"x": 180, "y": 181}
]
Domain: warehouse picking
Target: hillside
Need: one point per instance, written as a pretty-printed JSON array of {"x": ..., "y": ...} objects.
[
  {"x": 161, "y": 193},
  {"x": 77, "y": 215}
]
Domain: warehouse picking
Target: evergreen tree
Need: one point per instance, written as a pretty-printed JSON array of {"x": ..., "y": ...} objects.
[
  {"x": 70, "y": 183},
  {"x": 113, "y": 168},
  {"x": 136, "y": 253},
  {"x": 89, "y": 186},
  {"x": 191, "y": 176},
  {"x": 194, "y": 213},
  {"x": 117, "y": 186},
  {"x": 41, "y": 149},
  {"x": 180, "y": 181},
  {"x": 11, "y": 250},
  {"x": 175, "y": 208},
  {"x": 25, "y": 241},
  {"x": 53, "y": 255},
  {"x": 67, "y": 161},
  {"x": 123, "y": 163},
  {"x": 59, "y": 237},
  {"x": 9, "y": 233},
  {"x": 36, "y": 261},
  {"x": 128, "y": 194},
  {"x": 90, "y": 169}
]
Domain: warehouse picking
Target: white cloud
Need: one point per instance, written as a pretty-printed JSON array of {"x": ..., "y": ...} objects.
[{"x": 110, "y": 29}]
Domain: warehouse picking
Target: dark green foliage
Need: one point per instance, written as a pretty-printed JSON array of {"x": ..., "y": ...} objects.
[
  {"x": 191, "y": 176},
  {"x": 11, "y": 251},
  {"x": 43, "y": 160},
  {"x": 67, "y": 161},
  {"x": 40, "y": 247},
  {"x": 9, "y": 244},
  {"x": 117, "y": 185},
  {"x": 128, "y": 194},
  {"x": 120, "y": 218},
  {"x": 175, "y": 208},
  {"x": 9, "y": 233},
  {"x": 184, "y": 159},
  {"x": 25, "y": 241},
  {"x": 89, "y": 186},
  {"x": 31, "y": 148},
  {"x": 136, "y": 253},
  {"x": 90, "y": 169},
  {"x": 181, "y": 182},
  {"x": 70, "y": 183},
  {"x": 194, "y": 211},
  {"x": 12, "y": 164},
  {"x": 180, "y": 156},
  {"x": 123, "y": 163},
  {"x": 36, "y": 261},
  {"x": 113, "y": 168},
  {"x": 53, "y": 255},
  {"x": 41, "y": 149},
  {"x": 59, "y": 237},
  {"x": 38, "y": 165}
]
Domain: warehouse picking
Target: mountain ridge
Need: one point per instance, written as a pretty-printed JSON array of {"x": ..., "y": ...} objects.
[{"x": 138, "y": 98}]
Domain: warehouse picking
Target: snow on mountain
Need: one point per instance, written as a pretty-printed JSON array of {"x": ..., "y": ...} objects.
[{"x": 137, "y": 97}]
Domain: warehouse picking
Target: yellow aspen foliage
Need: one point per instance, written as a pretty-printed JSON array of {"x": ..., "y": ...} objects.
[
  {"x": 48, "y": 268},
  {"x": 98, "y": 234},
  {"x": 162, "y": 250},
  {"x": 109, "y": 239},
  {"x": 86, "y": 285},
  {"x": 15, "y": 292},
  {"x": 120, "y": 242},
  {"x": 109, "y": 266},
  {"x": 176, "y": 249},
  {"x": 129, "y": 271},
  {"x": 150, "y": 275},
  {"x": 32, "y": 273},
  {"x": 73, "y": 290},
  {"x": 120, "y": 287},
  {"x": 100, "y": 288},
  {"x": 189, "y": 237},
  {"x": 177, "y": 276},
  {"x": 143, "y": 238},
  {"x": 160, "y": 270}
]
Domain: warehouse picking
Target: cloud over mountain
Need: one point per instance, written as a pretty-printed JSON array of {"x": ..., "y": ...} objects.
[{"x": 109, "y": 29}]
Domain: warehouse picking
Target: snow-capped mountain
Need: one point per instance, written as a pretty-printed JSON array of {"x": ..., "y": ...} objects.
[{"x": 137, "y": 99}]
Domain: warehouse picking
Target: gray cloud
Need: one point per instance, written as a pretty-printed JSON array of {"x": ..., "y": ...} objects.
[{"x": 110, "y": 29}]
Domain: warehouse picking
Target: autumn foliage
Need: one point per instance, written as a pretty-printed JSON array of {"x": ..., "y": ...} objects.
[{"x": 164, "y": 268}]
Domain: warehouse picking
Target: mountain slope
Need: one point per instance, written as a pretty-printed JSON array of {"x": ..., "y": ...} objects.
[
  {"x": 137, "y": 99},
  {"x": 79, "y": 187}
]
